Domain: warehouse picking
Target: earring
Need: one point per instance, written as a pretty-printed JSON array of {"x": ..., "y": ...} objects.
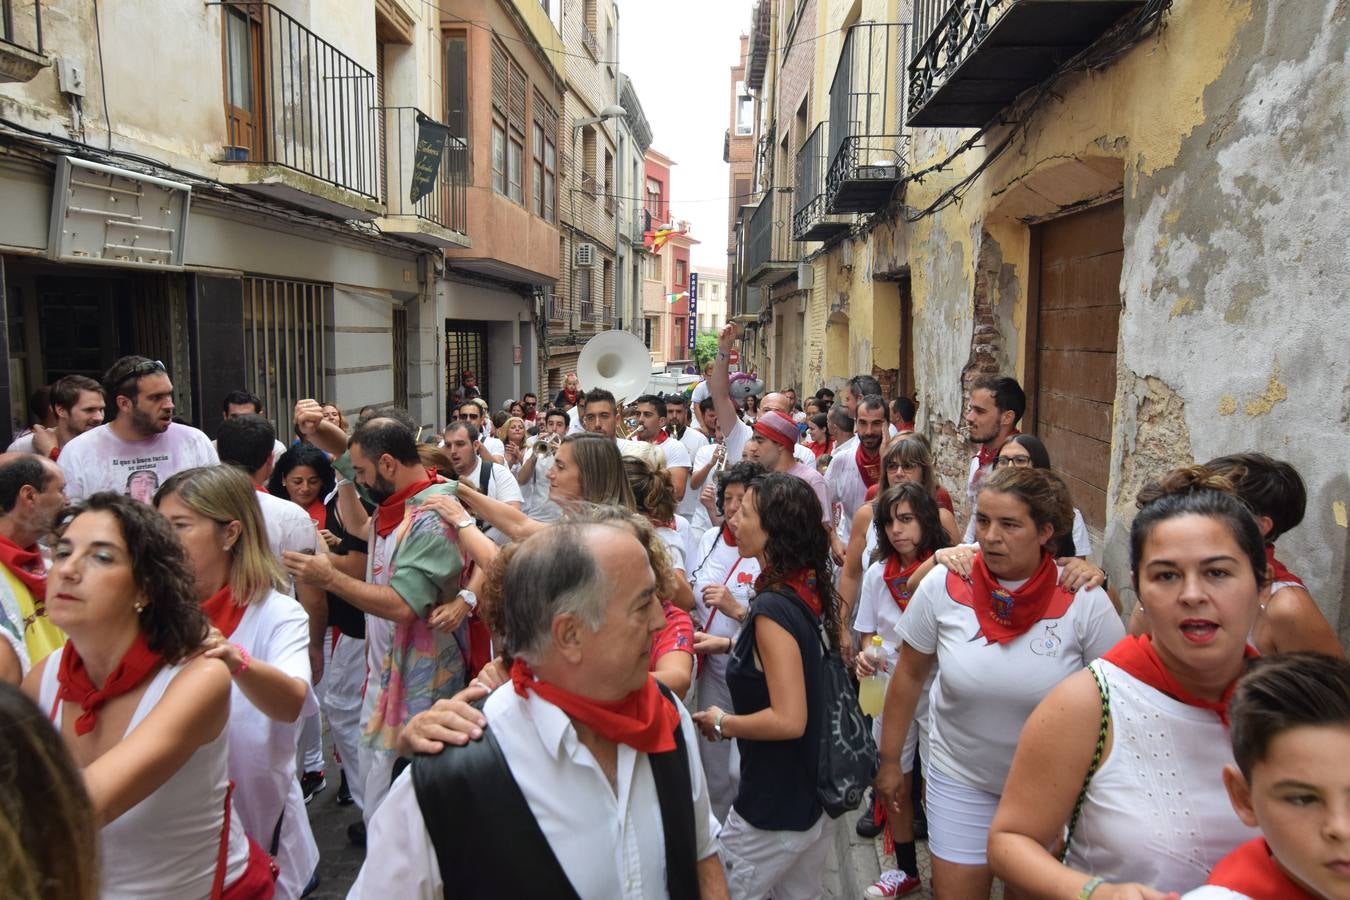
[{"x": 138, "y": 606}]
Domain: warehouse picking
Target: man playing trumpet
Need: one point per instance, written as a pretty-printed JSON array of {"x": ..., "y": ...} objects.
[{"x": 533, "y": 473}]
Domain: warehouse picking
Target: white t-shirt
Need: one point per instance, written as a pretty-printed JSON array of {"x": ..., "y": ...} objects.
[
  {"x": 1082, "y": 543},
  {"x": 847, "y": 488},
  {"x": 22, "y": 444},
  {"x": 1213, "y": 892},
  {"x": 690, "y": 507},
  {"x": 699, "y": 394},
  {"x": 740, "y": 436},
  {"x": 609, "y": 840},
  {"x": 986, "y": 692},
  {"x": 534, "y": 492},
  {"x": 289, "y": 527},
  {"x": 99, "y": 460},
  {"x": 494, "y": 446},
  {"x": 676, "y": 547},
  {"x": 677, "y": 455},
  {"x": 694, "y": 440}
]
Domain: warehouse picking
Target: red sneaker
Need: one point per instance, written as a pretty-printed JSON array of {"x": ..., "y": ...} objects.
[{"x": 893, "y": 883}]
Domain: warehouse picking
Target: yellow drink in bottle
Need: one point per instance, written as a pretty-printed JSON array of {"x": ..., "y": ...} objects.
[{"x": 872, "y": 689}]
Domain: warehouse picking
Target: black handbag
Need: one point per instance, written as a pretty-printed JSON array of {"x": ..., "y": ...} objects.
[{"x": 847, "y": 761}]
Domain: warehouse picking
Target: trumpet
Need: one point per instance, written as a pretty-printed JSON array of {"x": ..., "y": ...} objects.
[{"x": 547, "y": 444}]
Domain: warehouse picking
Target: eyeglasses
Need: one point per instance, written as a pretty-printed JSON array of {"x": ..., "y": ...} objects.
[
  {"x": 1019, "y": 462},
  {"x": 531, "y": 403},
  {"x": 146, "y": 368},
  {"x": 467, "y": 417}
]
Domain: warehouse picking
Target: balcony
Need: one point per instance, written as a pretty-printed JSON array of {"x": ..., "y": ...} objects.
[
  {"x": 758, "y": 63},
  {"x": 640, "y": 224},
  {"x": 866, "y": 150},
  {"x": 298, "y": 116},
  {"x": 588, "y": 185},
  {"x": 768, "y": 253},
  {"x": 590, "y": 42},
  {"x": 21, "y": 56},
  {"x": 810, "y": 220},
  {"x": 974, "y": 57},
  {"x": 423, "y": 160}
]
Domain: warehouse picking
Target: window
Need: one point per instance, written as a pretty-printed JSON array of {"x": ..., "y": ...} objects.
[
  {"x": 680, "y": 272},
  {"x": 581, "y": 295},
  {"x": 655, "y": 269},
  {"x": 284, "y": 339},
  {"x": 457, "y": 97},
  {"x": 647, "y": 329},
  {"x": 745, "y": 110},
  {"x": 544, "y": 156},
  {"x": 243, "y": 113},
  {"x": 508, "y": 126},
  {"x": 609, "y": 182},
  {"x": 607, "y": 292},
  {"x": 654, "y": 202}
]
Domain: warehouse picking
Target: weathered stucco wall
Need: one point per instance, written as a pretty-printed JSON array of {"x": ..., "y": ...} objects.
[{"x": 1228, "y": 129}]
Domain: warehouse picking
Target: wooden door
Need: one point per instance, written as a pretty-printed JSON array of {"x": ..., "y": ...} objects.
[
  {"x": 242, "y": 54},
  {"x": 1073, "y": 343}
]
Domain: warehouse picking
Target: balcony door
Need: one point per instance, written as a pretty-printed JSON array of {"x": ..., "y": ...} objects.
[{"x": 243, "y": 83}]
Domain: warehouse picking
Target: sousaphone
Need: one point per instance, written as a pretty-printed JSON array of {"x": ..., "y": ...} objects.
[{"x": 617, "y": 361}]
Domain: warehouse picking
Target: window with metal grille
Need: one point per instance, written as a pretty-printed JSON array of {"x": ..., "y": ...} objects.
[
  {"x": 465, "y": 355},
  {"x": 400, "y": 356},
  {"x": 284, "y": 343},
  {"x": 457, "y": 91}
]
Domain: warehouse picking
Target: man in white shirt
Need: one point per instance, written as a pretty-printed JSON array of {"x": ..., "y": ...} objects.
[
  {"x": 703, "y": 460},
  {"x": 993, "y": 409},
  {"x": 857, "y": 467},
  {"x": 77, "y": 402},
  {"x": 582, "y": 800},
  {"x": 651, "y": 416},
  {"x": 600, "y": 415},
  {"x": 493, "y": 479},
  {"x": 472, "y": 413},
  {"x": 734, "y": 431},
  {"x": 142, "y": 446},
  {"x": 683, "y": 422},
  {"x": 533, "y": 473},
  {"x": 243, "y": 403},
  {"x": 771, "y": 446}
]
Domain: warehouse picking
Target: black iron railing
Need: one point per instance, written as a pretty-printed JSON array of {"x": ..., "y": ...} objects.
[
  {"x": 945, "y": 32},
  {"x": 445, "y": 203},
  {"x": 762, "y": 243},
  {"x": 588, "y": 185},
  {"x": 589, "y": 40},
  {"x": 295, "y": 100},
  {"x": 866, "y": 101},
  {"x": 866, "y": 156},
  {"x": 21, "y": 28},
  {"x": 809, "y": 199},
  {"x": 641, "y": 224}
]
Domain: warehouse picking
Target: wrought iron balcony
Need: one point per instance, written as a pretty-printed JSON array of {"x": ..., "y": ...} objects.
[
  {"x": 758, "y": 63},
  {"x": 866, "y": 150},
  {"x": 641, "y": 224},
  {"x": 21, "y": 55},
  {"x": 424, "y": 161},
  {"x": 590, "y": 41},
  {"x": 588, "y": 185},
  {"x": 974, "y": 57},
  {"x": 768, "y": 245},
  {"x": 295, "y": 102},
  {"x": 810, "y": 220}
]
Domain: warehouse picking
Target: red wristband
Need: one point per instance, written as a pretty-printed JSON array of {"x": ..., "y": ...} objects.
[{"x": 244, "y": 667}]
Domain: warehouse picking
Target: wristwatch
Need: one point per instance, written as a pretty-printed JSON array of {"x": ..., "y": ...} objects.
[
  {"x": 469, "y": 597},
  {"x": 717, "y": 725},
  {"x": 467, "y": 523}
]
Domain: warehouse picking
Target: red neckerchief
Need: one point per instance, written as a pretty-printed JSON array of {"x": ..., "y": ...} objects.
[
  {"x": 390, "y": 513},
  {"x": 661, "y": 438},
  {"x": 26, "y": 565},
  {"x": 818, "y": 448},
  {"x": 868, "y": 466},
  {"x": 988, "y": 455},
  {"x": 570, "y": 396},
  {"x": 260, "y": 489},
  {"x": 55, "y": 454},
  {"x": 872, "y": 493},
  {"x": 77, "y": 687},
  {"x": 1250, "y": 870},
  {"x": 1279, "y": 572},
  {"x": 905, "y": 426},
  {"x": 803, "y": 581},
  {"x": 727, "y": 537},
  {"x": 318, "y": 513},
  {"x": 223, "y": 612},
  {"x": 1136, "y": 656},
  {"x": 896, "y": 577},
  {"x": 644, "y": 720},
  {"x": 1003, "y": 614}
]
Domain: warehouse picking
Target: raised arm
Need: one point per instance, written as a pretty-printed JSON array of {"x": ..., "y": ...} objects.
[{"x": 719, "y": 382}]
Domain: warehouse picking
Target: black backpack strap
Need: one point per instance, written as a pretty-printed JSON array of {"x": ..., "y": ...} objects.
[
  {"x": 482, "y": 827},
  {"x": 484, "y": 481},
  {"x": 674, "y": 792}
]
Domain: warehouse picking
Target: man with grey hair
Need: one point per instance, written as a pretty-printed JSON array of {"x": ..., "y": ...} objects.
[{"x": 588, "y": 772}]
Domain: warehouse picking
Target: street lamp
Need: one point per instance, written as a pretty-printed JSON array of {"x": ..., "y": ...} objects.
[{"x": 613, "y": 111}]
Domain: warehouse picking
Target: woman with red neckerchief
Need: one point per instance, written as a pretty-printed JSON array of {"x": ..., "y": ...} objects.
[
  {"x": 1153, "y": 816},
  {"x": 775, "y": 839},
  {"x": 723, "y": 585},
  {"x": 908, "y": 531},
  {"x": 1001, "y": 640},
  {"x": 262, "y": 635},
  {"x": 142, "y": 710}
]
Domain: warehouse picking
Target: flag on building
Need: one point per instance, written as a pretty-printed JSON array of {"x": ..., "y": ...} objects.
[
  {"x": 676, "y": 298},
  {"x": 655, "y": 240}
]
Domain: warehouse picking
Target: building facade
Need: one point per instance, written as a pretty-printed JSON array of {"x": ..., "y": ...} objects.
[
  {"x": 213, "y": 201},
  {"x": 712, "y": 299},
  {"x": 1104, "y": 221},
  {"x": 634, "y": 223}
]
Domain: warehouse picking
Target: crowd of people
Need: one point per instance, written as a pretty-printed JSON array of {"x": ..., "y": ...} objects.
[{"x": 589, "y": 650}]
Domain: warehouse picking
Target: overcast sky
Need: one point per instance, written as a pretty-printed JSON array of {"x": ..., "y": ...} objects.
[{"x": 679, "y": 56}]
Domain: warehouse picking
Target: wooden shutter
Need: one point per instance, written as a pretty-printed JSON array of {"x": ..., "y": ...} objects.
[
  {"x": 501, "y": 88},
  {"x": 519, "y": 84}
]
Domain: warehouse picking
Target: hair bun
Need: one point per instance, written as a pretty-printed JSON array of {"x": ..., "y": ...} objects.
[{"x": 1184, "y": 480}]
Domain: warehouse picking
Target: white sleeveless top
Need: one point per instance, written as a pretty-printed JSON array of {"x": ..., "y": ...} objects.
[
  {"x": 167, "y": 845},
  {"x": 1156, "y": 812}
]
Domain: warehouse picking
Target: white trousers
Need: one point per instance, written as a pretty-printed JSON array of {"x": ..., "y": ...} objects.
[
  {"x": 341, "y": 699},
  {"x": 721, "y": 759},
  {"x": 789, "y": 865}
]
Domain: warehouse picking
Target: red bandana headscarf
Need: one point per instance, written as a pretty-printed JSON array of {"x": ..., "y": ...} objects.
[
  {"x": 1251, "y": 871},
  {"x": 223, "y": 612},
  {"x": 390, "y": 512},
  {"x": 897, "y": 576},
  {"x": 1005, "y": 615},
  {"x": 25, "y": 563},
  {"x": 1278, "y": 571},
  {"x": 644, "y": 720},
  {"x": 76, "y": 686},
  {"x": 1136, "y": 656}
]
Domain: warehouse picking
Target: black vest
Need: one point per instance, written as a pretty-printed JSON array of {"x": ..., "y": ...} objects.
[{"x": 486, "y": 838}]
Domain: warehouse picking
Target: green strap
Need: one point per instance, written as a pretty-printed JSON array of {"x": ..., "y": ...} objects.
[{"x": 1105, "y": 694}]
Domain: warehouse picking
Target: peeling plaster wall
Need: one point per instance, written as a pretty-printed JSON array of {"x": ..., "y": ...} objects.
[{"x": 1225, "y": 136}]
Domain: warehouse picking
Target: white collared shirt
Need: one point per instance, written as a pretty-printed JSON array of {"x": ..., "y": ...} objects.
[{"x": 609, "y": 840}]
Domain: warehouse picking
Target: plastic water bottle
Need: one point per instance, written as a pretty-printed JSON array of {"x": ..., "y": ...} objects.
[{"x": 872, "y": 690}]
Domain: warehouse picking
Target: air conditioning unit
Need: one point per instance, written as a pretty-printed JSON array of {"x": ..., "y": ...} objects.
[
  {"x": 584, "y": 256},
  {"x": 806, "y": 275},
  {"x": 878, "y": 173}
]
